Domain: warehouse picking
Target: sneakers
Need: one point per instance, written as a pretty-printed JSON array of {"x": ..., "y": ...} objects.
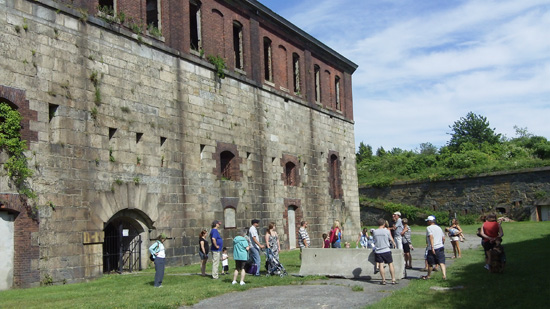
[
  {"x": 242, "y": 283},
  {"x": 234, "y": 282}
]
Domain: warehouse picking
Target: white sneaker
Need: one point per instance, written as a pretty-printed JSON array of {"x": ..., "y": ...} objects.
[
  {"x": 234, "y": 282},
  {"x": 242, "y": 283}
]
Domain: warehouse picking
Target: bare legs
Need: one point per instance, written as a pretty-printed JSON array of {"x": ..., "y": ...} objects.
[
  {"x": 236, "y": 273},
  {"x": 456, "y": 248},
  {"x": 203, "y": 267},
  {"x": 383, "y": 272}
]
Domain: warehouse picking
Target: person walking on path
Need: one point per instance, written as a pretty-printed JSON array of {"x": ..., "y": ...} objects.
[
  {"x": 304, "y": 237},
  {"x": 435, "y": 241},
  {"x": 397, "y": 228},
  {"x": 158, "y": 253},
  {"x": 272, "y": 240},
  {"x": 256, "y": 245},
  {"x": 217, "y": 245},
  {"x": 240, "y": 254},
  {"x": 489, "y": 232},
  {"x": 203, "y": 251},
  {"x": 382, "y": 254}
]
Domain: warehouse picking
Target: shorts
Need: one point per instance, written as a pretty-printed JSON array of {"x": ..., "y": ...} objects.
[
  {"x": 239, "y": 265},
  {"x": 203, "y": 256},
  {"x": 454, "y": 238},
  {"x": 487, "y": 245},
  {"x": 383, "y": 257},
  {"x": 438, "y": 258},
  {"x": 406, "y": 248},
  {"x": 226, "y": 268}
]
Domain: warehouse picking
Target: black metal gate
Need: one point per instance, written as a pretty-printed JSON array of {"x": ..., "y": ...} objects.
[{"x": 121, "y": 248}]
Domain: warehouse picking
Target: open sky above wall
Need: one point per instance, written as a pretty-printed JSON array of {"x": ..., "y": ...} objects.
[{"x": 425, "y": 64}]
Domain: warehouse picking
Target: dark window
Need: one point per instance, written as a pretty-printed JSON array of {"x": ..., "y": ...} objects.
[
  {"x": 226, "y": 164},
  {"x": 195, "y": 25},
  {"x": 335, "y": 186},
  {"x": 152, "y": 13},
  {"x": 268, "y": 73},
  {"x": 290, "y": 174},
  {"x": 296, "y": 72},
  {"x": 317, "y": 72},
  {"x": 337, "y": 92},
  {"x": 109, "y": 4},
  {"x": 238, "y": 44}
]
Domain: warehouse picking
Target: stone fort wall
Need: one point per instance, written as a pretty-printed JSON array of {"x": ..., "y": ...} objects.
[
  {"x": 126, "y": 128},
  {"x": 503, "y": 192}
]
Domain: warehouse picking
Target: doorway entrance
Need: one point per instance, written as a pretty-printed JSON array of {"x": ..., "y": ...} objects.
[
  {"x": 122, "y": 245},
  {"x": 7, "y": 247}
]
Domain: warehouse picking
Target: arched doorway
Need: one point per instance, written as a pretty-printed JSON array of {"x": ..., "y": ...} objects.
[
  {"x": 292, "y": 227},
  {"x": 125, "y": 240}
]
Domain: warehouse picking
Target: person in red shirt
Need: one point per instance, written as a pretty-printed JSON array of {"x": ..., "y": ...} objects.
[{"x": 490, "y": 231}]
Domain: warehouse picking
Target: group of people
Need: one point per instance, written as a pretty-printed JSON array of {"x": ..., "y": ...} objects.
[{"x": 247, "y": 246}]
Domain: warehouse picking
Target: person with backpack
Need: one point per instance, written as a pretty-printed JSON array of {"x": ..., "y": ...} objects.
[
  {"x": 203, "y": 251},
  {"x": 158, "y": 254},
  {"x": 336, "y": 235}
]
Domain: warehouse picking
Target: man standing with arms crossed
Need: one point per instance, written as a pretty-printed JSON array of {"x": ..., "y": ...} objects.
[
  {"x": 398, "y": 228},
  {"x": 435, "y": 241},
  {"x": 256, "y": 246}
]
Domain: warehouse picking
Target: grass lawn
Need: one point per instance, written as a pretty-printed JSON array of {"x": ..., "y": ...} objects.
[
  {"x": 525, "y": 282},
  {"x": 136, "y": 289}
]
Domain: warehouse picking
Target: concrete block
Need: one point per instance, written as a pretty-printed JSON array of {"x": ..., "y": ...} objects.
[{"x": 347, "y": 263}]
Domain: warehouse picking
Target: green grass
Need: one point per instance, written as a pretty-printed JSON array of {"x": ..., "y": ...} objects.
[
  {"x": 525, "y": 282},
  {"x": 136, "y": 289}
]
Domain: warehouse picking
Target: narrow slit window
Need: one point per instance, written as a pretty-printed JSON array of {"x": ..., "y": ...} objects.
[
  {"x": 337, "y": 93},
  {"x": 238, "y": 44},
  {"x": 195, "y": 25},
  {"x": 296, "y": 72},
  {"x": 138, "y": 137},
  {"x": 52, "y": 109},
  {"x": 112, "y": 132},
  {"x": 268, "y": 66},
  {"x": 317, "y": 72}
]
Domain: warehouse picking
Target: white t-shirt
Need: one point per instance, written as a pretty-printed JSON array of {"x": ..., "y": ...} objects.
[
  {"x": 225, "y": 260},
  {"x": 438, "y": 235},
  {"x": 254, "y": 233}
]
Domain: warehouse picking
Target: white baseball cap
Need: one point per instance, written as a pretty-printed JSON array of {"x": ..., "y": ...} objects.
[{"x": 430, "y": 218}]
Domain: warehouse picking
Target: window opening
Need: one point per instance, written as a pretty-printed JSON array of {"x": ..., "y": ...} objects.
[
  {"x": 317, "y": 71},
  {"x": 195, "y": 25},
  {"x": 138, "y": 137},
  {"x": 337, "y": 92},
  {"x": 52, "y": 110},
  {"x": 162, "y": 140},
  {"x": 112, "y": 132},
  {"x": 109, "y": 4},
  {"x": 238, "y": 44},
  {"x": 152, "y": 13},
  {"x": 268, "y": 72},
  {"x": 290, "y": 174},
  {"x": 334, "y": 177},
  {"x": 226, "y": 163},
  {"x": 296, "y": 72}
]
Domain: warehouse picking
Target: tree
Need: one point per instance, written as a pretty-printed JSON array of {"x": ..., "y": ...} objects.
[
  {"x": 380, "y": 152},
  {"x": 472, "y": 129},
  {"x": 428, "y": 149},
  {"x": 365, "y": 152}
]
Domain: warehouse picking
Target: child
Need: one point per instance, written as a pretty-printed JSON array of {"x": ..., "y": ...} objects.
[
  {"x": 496, "y": 257},
  {"x": 347, "y": 245},
  {"x": 326, "y": 241},
  {"x": 225, "y": 261}
]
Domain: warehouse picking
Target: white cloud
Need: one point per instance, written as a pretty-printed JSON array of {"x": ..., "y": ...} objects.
[{"x": 424, "y": 64}]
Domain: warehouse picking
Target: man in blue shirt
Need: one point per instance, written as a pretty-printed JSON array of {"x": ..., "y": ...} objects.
[{"x": 216, "y": 248}]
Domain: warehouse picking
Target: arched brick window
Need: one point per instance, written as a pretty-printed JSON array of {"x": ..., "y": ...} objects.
[
  {"x": 317, "y": 77},
  {"x": 335, "y": 182},
  {"x": 290, "y": 175},
  {"x": 227, "y": 162}
]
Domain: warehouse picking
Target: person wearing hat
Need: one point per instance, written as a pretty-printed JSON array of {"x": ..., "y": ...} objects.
[
  {"x": 256, "y": 245},
  {"x": 158, "y": 255},
  {"x": 397, "y": 228},
  {"x": 216, "y": 248},
  {"x": 435, "y": 241}
]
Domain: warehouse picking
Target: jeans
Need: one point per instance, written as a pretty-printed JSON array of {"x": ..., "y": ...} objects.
[
  {"x": 398, "y": 241},
  {"x": 337, "y": 245},
  {"x": 159, "y": 271},
  {"x": 215, "y": 263},
  {"x": 256, "y": 256}
]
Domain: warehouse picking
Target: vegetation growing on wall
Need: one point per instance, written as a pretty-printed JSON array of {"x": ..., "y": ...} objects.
[
  {"x": 219, "y": 63},
  {"x": 11, "y": 142},
  {"x": 474, "y": 149}
]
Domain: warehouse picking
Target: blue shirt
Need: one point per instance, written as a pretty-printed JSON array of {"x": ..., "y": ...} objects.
[{"x": 214, "y": 234}]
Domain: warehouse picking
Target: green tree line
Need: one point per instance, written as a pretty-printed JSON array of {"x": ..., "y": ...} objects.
[{"x": 474, "y": 148}]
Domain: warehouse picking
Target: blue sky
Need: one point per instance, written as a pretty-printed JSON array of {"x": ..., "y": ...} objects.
[{"x": 424, "y": 64}]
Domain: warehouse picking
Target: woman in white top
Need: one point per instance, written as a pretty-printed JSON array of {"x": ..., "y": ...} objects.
[{"x": 159, "y": 256}]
